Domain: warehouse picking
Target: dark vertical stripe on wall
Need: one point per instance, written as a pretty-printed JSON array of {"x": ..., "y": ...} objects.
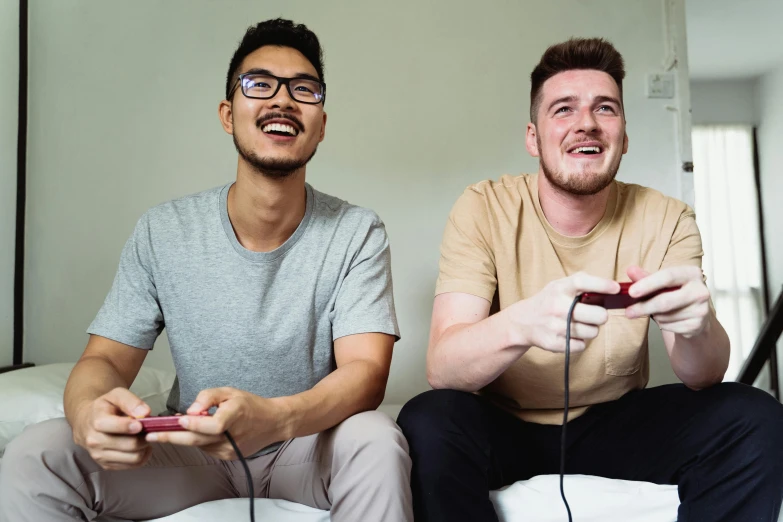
[
  {"x": 773, "y": 356},
  {"x": 21, "y": 188}
]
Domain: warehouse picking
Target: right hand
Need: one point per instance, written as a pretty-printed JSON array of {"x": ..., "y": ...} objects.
[
  {"x": 541, "y": 319},
  {"x": 107, "y": 428}
]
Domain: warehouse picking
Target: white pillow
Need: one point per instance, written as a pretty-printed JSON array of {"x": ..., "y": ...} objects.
[
  {"x": 591, "y": 499},
  {"x": 35, "y": 394}
]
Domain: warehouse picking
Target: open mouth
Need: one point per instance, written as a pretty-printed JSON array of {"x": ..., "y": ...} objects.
[
  {"x": 279, "y": 129},
  {"x": 586, "y": 150}
]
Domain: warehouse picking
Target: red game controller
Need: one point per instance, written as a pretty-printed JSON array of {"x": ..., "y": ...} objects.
[
  {"x": 164, "y": 423},
  {"x": 619, "y": 300}
]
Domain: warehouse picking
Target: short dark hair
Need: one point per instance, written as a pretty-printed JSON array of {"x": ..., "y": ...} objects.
[
  {"x": 576, "y": 53},
  {"x": 278, "y": 32}
]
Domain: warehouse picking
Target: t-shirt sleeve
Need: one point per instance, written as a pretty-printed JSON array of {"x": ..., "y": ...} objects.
[
  {"x": 685, "y": 246},
  {"x": 131, "y": 312},
  {"x": 365, "y": 299},
  {"x": 467, "y": 261}
]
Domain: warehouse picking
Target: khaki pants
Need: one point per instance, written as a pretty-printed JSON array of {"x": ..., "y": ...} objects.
[{"x": 360, "y": 470}]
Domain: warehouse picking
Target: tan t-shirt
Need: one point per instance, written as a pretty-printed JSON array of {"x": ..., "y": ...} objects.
[{"x": 497, "y": 240}]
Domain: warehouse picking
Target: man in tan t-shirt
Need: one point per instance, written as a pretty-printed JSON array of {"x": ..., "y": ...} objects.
[{"x": 515, "y": 254}]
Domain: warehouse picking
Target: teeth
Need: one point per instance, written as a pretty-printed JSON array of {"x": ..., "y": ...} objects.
[
  {"x": 587, "y": 149},
  {"x": 280, "y": 127}
]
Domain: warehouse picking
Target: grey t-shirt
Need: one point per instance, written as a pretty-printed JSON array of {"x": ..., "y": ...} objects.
[{"x": 263, "y": 322}]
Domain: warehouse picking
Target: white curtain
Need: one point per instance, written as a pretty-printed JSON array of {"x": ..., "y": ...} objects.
[{"x": 727, "y": 215}]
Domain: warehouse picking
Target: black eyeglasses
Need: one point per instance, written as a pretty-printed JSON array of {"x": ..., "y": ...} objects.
[{"x": 263, "y": 86}]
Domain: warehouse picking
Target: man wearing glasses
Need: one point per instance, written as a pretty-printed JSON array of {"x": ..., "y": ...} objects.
[{"x": 277, "y": 301}]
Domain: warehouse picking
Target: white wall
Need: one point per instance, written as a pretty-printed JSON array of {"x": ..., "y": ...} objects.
[
  {"x": 770, "y": 133},
  {"x": 716, "y": 102},
  {"x": 9, "y": 100},
  {"x": 124, "y": 100}
]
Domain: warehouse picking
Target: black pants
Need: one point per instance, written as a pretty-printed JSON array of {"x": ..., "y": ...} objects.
[{"x": 722, "y": 446}]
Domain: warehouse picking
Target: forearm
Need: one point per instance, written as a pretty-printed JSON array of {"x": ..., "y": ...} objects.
[
  {"x": 90, "y": 378},
  {"x": 469, "y": 356},
  {"x": 350, "y": 389},
  {"x": 702, "y": 360}
]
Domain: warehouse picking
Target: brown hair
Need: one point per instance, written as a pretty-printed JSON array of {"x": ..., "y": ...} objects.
[{"x": 576, "y": 53}]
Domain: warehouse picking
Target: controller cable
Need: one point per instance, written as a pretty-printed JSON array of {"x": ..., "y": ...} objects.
[
  {"x": 565, "y": 409},
  {"x": 247, "y": 473}
]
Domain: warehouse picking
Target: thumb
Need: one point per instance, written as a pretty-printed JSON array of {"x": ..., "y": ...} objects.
[
  {"x": 125, "y": 401},
  {"x": 636, "y": 273},
  {"x": 208, "y": 398}
]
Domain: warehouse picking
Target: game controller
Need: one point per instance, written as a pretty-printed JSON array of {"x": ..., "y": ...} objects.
[
  {"x": 164, "y": 423},
  {"x": 618, "y": 300}
]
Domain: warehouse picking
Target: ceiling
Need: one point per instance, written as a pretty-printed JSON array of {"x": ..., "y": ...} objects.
[{"x": 733, "y": 38}]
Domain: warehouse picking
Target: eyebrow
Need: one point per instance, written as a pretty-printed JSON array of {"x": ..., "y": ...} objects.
[
  {"x": 564, "y": 99},
  {"x": 302, "y": 75},
  {"x": 604, "y": 99}
]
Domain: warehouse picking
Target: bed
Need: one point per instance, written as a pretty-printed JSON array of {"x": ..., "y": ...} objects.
[{"x": 32, "y": 395}]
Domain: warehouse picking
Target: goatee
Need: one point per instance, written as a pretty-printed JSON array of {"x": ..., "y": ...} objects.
[
  {"x": 272, "y": 167},
  {"x": 584, "y": 184}
]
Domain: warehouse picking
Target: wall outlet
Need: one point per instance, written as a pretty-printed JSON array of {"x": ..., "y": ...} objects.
[{"x": 660, "y": 85}]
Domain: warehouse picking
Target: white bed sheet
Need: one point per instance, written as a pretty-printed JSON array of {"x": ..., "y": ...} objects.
[{"x": 35, "y": 394}]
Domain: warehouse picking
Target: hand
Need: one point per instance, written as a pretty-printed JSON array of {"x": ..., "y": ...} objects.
[
  {"x": 684, "y": 311},
  {"x": 254, "y": 422},
  {"x": 541, "y": 319},
  {"x": 107, "y": 429}
]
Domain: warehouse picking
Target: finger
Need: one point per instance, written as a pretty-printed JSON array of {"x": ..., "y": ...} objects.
[
  {"x": 184, "y": 438},
  {"x": 583, "y": 332},
  {"x": 108, "y": 423},
  {"x": 583, "y": 282},
  {"x": 674, "y": 276},
  {"x": 589, "y": 314},
  {"x": 125, "y": 401},
  {"x": 113, "y": 457},
  {"x": 209, "y": 398},
  {"x": 212, "y": 425},
  {"x": 694, "y": 313},
  {"x": 576, "y": 345},
  {"x": 689, "y": 294},
  {"x": 636, "y": 273},
  {"x": 125, "y": 443},
  {"x": 96, "y": 440}
]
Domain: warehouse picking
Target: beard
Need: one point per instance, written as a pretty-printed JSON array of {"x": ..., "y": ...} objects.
[
  {"x": 587, "y": 183},
  {"x": 272, "y": 168}
]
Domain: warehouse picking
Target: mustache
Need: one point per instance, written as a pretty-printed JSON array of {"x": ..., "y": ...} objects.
[{"x": 280, "y": 116}]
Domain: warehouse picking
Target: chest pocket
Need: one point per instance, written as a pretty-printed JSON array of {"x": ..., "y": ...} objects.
[{"x": 625, "y": 343}]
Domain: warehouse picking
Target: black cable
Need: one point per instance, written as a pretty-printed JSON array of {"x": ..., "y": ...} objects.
[
  {"x": 247, "y": 473},
  {"x": 565, "y": 409}
]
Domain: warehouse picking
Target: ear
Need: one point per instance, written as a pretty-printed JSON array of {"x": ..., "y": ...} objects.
[
  {"x": 226, "y": 115},
  {"x": 625, "y": 143},
  {"x": 323, "y": 130},
  {"x": 530, "y": 140}
]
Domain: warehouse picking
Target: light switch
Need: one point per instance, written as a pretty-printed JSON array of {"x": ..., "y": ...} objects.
[{"x": 660, "y": 85}]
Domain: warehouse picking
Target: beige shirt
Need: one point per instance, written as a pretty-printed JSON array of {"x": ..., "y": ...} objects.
[{"x": 498, "y": 245}]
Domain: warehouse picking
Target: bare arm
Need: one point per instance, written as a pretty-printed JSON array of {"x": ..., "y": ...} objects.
[
  {"x": 358, "y": 384},
  {"x": 104, "y": 366},
  {"x": 468, "y": 349},
  {"x": 702, "y": 360}
]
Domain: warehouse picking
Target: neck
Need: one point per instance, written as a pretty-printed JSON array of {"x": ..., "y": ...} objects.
[
  {"x": 265, "y": 212},
  {"x": 570, "y": 214}
]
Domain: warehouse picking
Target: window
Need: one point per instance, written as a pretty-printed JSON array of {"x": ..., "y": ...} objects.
[{"x": 728, "y": 216}]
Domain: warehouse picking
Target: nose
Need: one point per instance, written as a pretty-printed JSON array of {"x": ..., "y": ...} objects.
[
  {"x": 587, "y": 121},
  {"x": 282, "y": 100}
]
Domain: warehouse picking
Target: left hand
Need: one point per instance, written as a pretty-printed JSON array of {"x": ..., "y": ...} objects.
[
  {"x": 254, "y": 422},
  {"x": 684, "y": 311}
]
